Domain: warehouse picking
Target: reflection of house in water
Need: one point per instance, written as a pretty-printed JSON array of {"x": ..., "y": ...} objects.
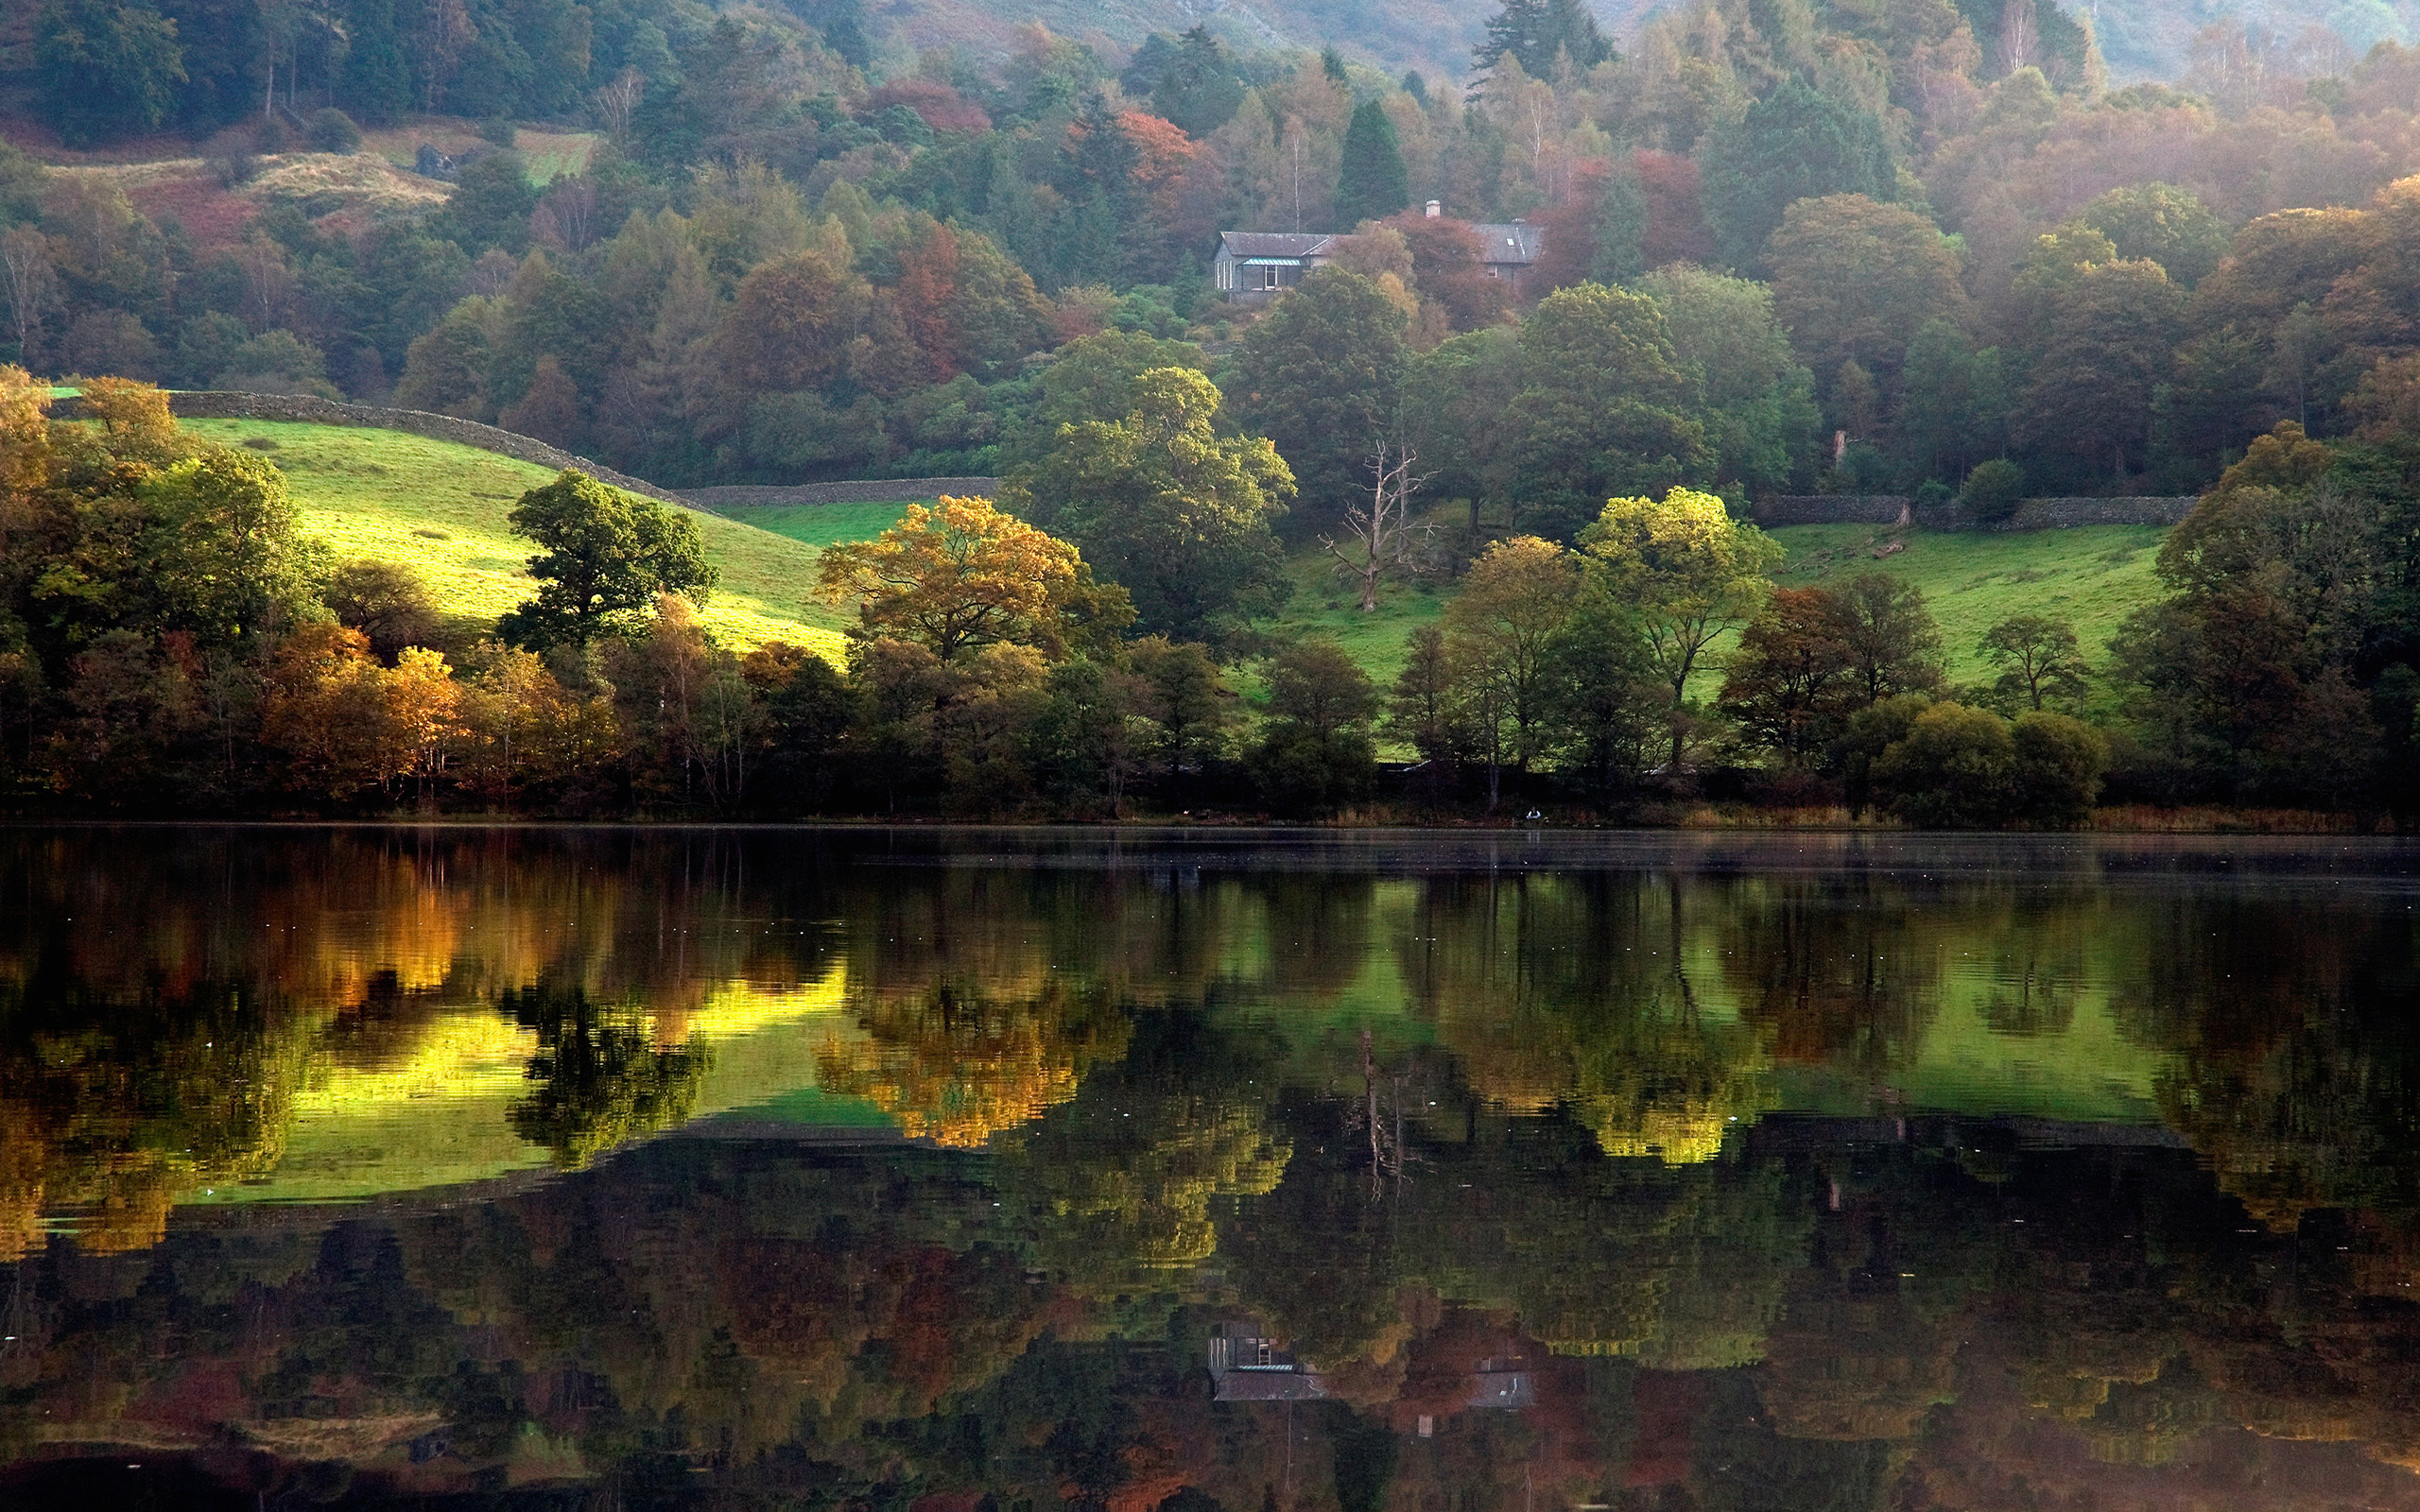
[
  {"x": 1248, "y": 1365},
  {"x": 1500, "y": 1383}
]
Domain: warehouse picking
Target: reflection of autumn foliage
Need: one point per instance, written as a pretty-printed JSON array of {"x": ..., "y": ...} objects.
[
  {"x": 111, "y": 1112},
  {"x": 1671, "y": 1086},
  {"x": 873, "y": 1329},
  {"x": 1120, "y": 1180},
  {"x": 956, "y": 1066}
]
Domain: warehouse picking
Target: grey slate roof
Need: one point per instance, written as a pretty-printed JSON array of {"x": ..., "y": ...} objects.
[
  {"x": 1519, "y": 243},
  {"x": 1269, "y": 1385},
  {"x": 1276, "y": 243}
]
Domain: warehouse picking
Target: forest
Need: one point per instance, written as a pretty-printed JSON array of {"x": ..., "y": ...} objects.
[{"x": 1922, "y": 249}]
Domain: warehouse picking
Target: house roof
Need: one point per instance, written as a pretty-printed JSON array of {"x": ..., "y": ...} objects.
[
  {"x": 1519, "y": 242},
  {"x": 1285, "y": 244},
  {"x": 1268, "y": 1386}
]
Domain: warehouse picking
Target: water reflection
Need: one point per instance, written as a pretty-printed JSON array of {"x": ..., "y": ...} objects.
[{"x": 637, "y": 1168}]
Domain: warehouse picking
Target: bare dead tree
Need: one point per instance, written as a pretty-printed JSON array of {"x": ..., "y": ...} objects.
[
  {"x": 31, "y": 287},
  {"x": 617, "y": 102},
  {"x": 2016, "y": 35},
  {"x": 1384, "y": 536}
]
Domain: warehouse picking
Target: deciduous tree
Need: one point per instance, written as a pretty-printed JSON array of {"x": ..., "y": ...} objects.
[
  {"x": 956, "y": 576},
  {"x": 1689, "y": 570},
  {"x": 607, "y": 555},
  {"x": 1320, "y": 377},
  {"x": 1163, "y": 505},
  {"x": 2040, "y": 660},
  {"x": 1854, "y": 280},
  {"x": 1603, "y": 409},
  {"x": 1497, "y": 630}
]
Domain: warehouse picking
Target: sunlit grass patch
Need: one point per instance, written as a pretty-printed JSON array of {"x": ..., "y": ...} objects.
[
  {"x": 440, "y": 507},
  {"x": 824, "y": 525},
  {"x": 2092, "y": 577}
]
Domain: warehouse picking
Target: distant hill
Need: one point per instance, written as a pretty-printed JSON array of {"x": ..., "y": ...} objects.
[{"x": 2140, "y": 38}]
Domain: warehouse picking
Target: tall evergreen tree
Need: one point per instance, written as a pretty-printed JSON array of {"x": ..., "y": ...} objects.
[
  {"x": 1538, "y": 32},
  {"x": 1373, "y": 185},
  {"x": 107, "y": 69},
  {"x": 1795, "y": 144},
  {"x": 377, "y": 81}
]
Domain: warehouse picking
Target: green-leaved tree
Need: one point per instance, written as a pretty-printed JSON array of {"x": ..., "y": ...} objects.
[
  {"x": 606, "y": 556},
  {"x": 1162, "y": 503},
  {"x": 1373, "y": 185}
]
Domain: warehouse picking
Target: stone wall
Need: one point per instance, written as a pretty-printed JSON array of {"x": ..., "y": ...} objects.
[
  {"x": 2059, "y": 514},
  {"x": 874, "y": 490},
  {"x": 1834, "y": 509},
  {"x": 2034, "y": 514}
]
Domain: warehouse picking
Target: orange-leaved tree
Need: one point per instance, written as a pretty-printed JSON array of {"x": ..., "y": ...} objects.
[{"x": 961, "y": 575}]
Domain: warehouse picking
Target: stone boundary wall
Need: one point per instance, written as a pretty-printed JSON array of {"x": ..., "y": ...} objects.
[
  {"x": 2059, "y": 514},
  {"x": 871, "y": 490},
  {"x": 1834, "y": 509},
  {"x": 311, "y": 410},
  {"x": 2034, "y": 514}
]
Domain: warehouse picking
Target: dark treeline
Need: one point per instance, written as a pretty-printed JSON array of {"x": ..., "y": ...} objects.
[{"x": 1880, "y": 246}]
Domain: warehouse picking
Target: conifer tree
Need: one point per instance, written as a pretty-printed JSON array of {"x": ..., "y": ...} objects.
[
  {"x": 1537, "y": 32},
  {"x": 1373, "y": 185}
]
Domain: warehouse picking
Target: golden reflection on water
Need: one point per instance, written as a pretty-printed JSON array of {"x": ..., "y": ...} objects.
[{"x": 334, "y": 1017}]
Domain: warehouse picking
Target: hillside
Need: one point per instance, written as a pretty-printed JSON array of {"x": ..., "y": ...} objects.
[
  {"x": 2093, "y": 576},
  {"x": 440, "y": 507},
  {"x": 2139, "y": 39}
]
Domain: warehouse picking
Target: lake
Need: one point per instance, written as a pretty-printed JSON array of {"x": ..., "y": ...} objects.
[{"x": 1173, "y": 1170}]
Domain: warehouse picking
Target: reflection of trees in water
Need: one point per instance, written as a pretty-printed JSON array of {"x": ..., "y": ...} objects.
[
  {"x": 957, "y": 1064},
  {"x": 1583, "y": 992},
  {"x": 1679, "y": 1267},
  {"x": 600, "y": 1076},
  {"x": 112, "y": 1109},
  {"x": 1119, "y": 1180}
]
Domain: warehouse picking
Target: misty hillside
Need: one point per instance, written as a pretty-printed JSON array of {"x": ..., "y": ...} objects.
[{"x": 2139, "y": 39}]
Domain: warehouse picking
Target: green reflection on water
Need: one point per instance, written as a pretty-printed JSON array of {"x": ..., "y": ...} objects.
[{"x": 865, "y": 1169}]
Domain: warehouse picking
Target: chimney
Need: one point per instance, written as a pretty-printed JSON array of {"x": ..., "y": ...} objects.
[{"x": 1436, "y": 208}]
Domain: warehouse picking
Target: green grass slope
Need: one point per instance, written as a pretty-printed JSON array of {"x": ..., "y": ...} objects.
[
  {"x": 2092, "y": 577},
  {"x": 440, "y": 507},
  {"x": 824, "y": 525}
]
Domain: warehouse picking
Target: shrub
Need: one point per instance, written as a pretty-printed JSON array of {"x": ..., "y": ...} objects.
[
  {"x": 2059, "y": 766},
  {"x": 232, "y": 157},
  {"x": 332, "y": 131},
  {"x": 1993, "y": 492},
  {"x": 1955, "y": 769},
  {"x": 500, "y": 131}
]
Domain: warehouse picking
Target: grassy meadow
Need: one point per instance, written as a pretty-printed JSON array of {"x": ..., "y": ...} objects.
[
  {"x": 824, "y": 525},
  {"x": 440, "y": 507},
  {"x": 2092, "y": 577}
]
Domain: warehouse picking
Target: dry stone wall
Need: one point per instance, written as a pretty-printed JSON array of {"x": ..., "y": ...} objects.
[
  {"x": 1834, "y": 509},
  {"x": 2034, "y": 514}
]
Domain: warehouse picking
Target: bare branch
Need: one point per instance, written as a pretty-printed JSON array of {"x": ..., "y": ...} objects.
[{"x": 1384, "y": 536}]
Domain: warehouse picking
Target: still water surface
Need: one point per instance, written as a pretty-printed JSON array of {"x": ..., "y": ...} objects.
[{"x": 941, "y": 1172}]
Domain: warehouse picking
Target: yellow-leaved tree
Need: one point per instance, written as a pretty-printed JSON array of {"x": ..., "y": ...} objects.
[
  {"x": 961, "y": 575},
  {"x": 1689, "y": 570}
]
